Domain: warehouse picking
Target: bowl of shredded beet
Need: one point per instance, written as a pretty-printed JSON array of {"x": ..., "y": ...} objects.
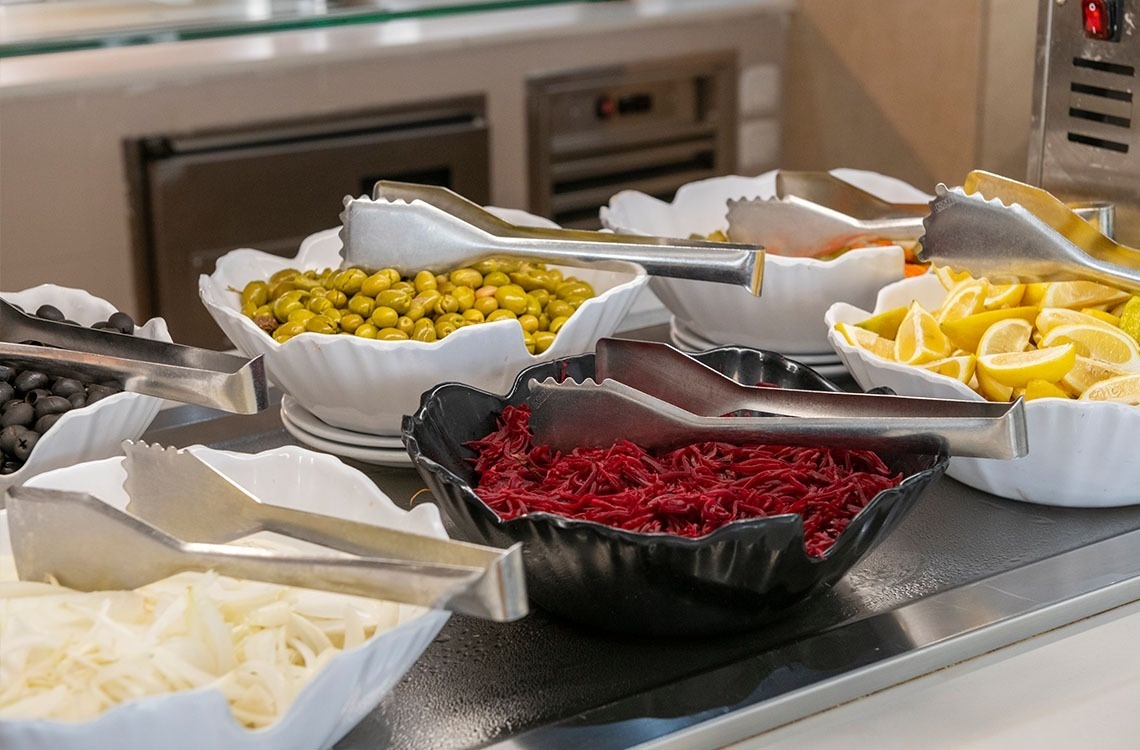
[{"x": 706, "y": 538}]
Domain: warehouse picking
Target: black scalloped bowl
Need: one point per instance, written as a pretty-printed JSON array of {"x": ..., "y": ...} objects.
[{"x": 736, "y": 578}]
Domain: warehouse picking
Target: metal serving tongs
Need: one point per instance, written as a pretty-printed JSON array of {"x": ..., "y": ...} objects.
[
  {"x": 659, "y": 397},
  {"x": 157, "y": 368},
  {"x": 993, "y": 226},
  {"x": 182, "y": 509},
  {"x": 411, "y": 227},
  {"x": 816, "y": 213}
]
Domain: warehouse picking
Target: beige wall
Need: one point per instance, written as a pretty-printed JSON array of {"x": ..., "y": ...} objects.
[{"x": 923, "y": 90}]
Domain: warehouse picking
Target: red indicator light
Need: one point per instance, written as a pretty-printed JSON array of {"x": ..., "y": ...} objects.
[
  {"x": 605, "y": 107},
  {"x": 1099, "y": 18}
]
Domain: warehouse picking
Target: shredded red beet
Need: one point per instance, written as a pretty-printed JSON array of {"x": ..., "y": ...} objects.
[{"x": 689, "y": 491}]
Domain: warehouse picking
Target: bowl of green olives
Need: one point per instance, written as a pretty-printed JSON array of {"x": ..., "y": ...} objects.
[
  {"x": 48, "y": 421},
  {"x": 357, "y": 347}
]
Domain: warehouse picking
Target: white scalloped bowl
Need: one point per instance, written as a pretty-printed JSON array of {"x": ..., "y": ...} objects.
[
  {"x": 788, "y": 315},
  {"x": 368, "y": 385},
  {"x": 95, "y": 431},
  {"x": 336, "y": 698},
  {"x": 1081, "y": 454}
]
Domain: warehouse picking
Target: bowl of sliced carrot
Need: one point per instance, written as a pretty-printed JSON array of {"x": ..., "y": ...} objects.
[{"x": 706, "y": 538}]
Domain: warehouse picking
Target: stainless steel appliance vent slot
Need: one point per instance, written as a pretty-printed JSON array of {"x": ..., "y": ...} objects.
[
  {"x": 1107, "y": 101},
  {"x": 651, "y": 127}
]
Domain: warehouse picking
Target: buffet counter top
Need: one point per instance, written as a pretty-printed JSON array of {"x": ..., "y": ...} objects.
[{"x": 958, "y": 629}]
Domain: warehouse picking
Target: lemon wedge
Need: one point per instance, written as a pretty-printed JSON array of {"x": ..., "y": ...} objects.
[
  {"x": 869, "y": 340},
  {"x": 1009, "y": 335},
  {"x": 990, "y": 389},
  {"x": 1053, "y": 317},
  {"x": 1087, "y": 372},
  {"x": 966, "y": 333},
  {"x": 1124, "y": 389},
  {"x": 1035, "y": 292},
  {"x": 919, "y": 339},
  {"x": 1080, "y": 294},
  {"x": 1004, "y": 295},
  {"x": 1130, "y": 318},
  {"x": 1102, "y": 342},
  {"x": 1016, "y": 369},
  {"x": 1103, "y": 316},
  {"x": 886, "y": 323},
  {"x": 960, "y": 367},
  {"x": 949, "y": 278},
  {"x": 967, "y": 298},
  {"x": 1037, "y": 388}
]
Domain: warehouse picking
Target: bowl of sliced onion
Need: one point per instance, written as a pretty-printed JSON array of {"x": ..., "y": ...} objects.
[
  {"x": 702, "y": 539},
  {"x": 201, "y": 660}
]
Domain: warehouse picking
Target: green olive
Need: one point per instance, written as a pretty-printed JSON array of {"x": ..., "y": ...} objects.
[
  {"x": 496, "y": 278},
  {"x": 486, "y": 305},
  {"x": 466, "y": 277},
  {"x": 501, "y": 314},
  {"x": 511, "y": 297},
  {"x": 300, "y": 315},
  {"x": 542, "y": 341},
  {"x": 350, "y": 322},
  {"x": 406, "y": 324},
  {"x": 350, "y": 280},
  {"x": 528, "y": 342},
  {"x": 542, "y": 295},
  {"x": 255, "y": 292},
  {"x": 361, "y": 304},
  {"x": 529, "y": 323},
  {"x": 392, "y": 334},
  {"x": 398, "y": 300},
  {"x": 337, "y": 297},
  {"x": 473, "y": 316},
  {"x": 425, "y": 280},
  {"x": 574, "y": 288},
  {"x": 445, "y": 303},
  {"x": 557, "y": 323},
  {"x": 365, "y": 331},
  {"x": 320, "y": 324},
  {"x": 320, "y": 304},
  {"x": 384, "y": 317},
  {"x": 287, "y": 331},
  {"x": 375, "y": 284},
  {"x": 424, "y": 330},
  {"x": 464, "y": 297},
  {"x": 557, "y": 308},
  {"x": 287, "y": 303}
]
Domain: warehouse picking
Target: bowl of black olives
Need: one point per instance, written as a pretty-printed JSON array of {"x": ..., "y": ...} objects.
[
  {"x": 357, "y": 347},
  {"x": 48, "y": 420}
]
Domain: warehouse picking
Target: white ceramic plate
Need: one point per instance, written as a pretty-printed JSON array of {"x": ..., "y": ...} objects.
[
  {"x": 788, "y": 316},
  {"x": 336, "y": 698},
  {"x": 95, "y": 431},
  {"x": 395, "y": 456},
  {"x": 367, "y": 385},
  {"x": 1080, "y": 454},
  {"x": 303, "y": 419}
]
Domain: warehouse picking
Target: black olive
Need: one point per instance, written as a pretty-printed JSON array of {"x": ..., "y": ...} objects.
[
  {"x": 8, "y": 437},
  {"x": 7, "y": 372},
  {"x": 9, "y": 404},
  {"x": 51, "y": 405},
  {"x": 97, "y": 392},
  {"x": 50, "y": 312},
  {"x": 25, "y": 442},
  {"x": 66, "y": 386},
  {"x": 36, "y": 394},
  {"x": 100, "y": 325},
  {"x": 7, "y": 392},
  {"x": 21, "y": 414},
  {"x": 78, "y": 400},
  {"x": 9, "y": 467},
  {"x": 121, "y": 322},
  {"x": 44, "y": 423},
  {"x": 29, "y": 380}
]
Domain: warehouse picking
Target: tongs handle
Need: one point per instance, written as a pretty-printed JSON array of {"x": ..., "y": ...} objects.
[
  {"x": 156, "y": 368},
  {"x": 122, "y": 551},
  {"x": 569, "y": 415},
  {"x": 671, "y": 375},
  {"x": 424, "y": 226}
]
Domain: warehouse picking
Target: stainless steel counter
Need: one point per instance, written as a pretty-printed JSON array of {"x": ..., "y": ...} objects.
[{"x": 965, "y": 573}]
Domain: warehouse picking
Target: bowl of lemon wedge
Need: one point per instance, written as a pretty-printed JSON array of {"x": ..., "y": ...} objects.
[{"x": 1071, "y": 349}]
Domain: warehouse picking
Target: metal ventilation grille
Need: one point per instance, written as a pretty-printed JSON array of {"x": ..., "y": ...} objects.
[{"x": 1100, "y": 104}]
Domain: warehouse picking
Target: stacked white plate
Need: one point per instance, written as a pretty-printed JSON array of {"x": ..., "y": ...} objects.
[{"x": 307, "y": 428}]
